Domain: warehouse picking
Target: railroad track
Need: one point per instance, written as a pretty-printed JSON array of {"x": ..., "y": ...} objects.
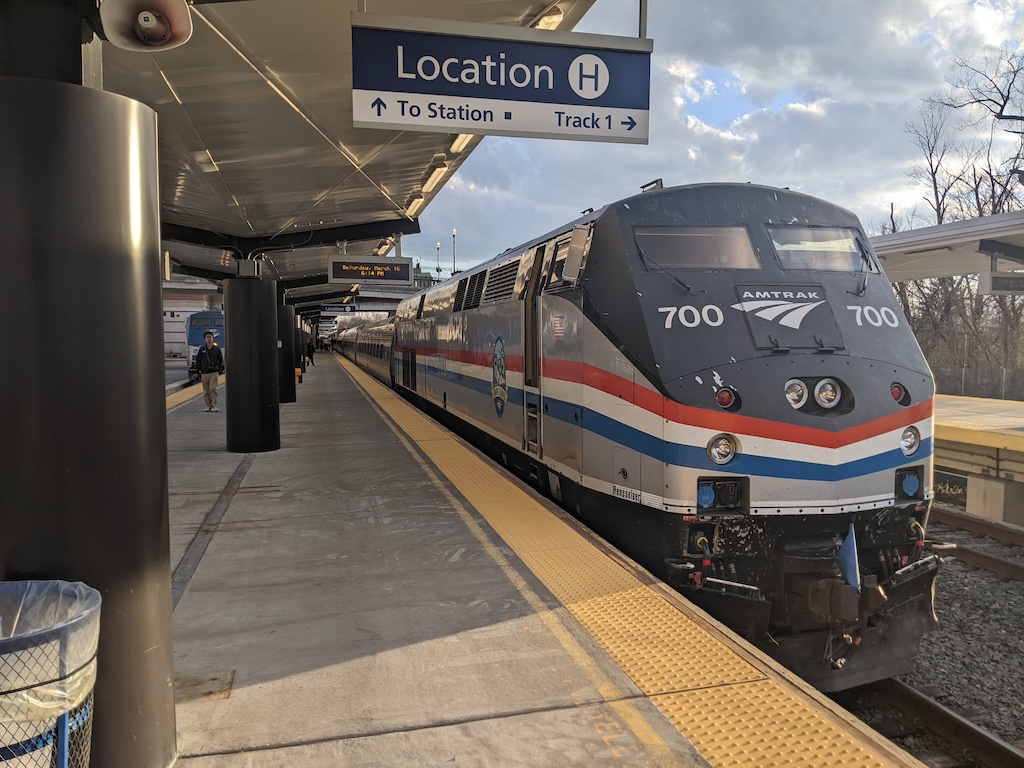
[
  {"x": 1005, "y": 559},
  {"x": 936, "y": 735}
]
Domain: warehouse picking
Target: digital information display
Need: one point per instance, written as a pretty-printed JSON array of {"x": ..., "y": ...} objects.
[
  {"x": 1001, "y": 283},
  {"x": 392, "y": 271}
]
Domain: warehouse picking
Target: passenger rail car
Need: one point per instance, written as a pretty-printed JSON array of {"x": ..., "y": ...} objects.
[
  {"x": 719, "y": 380},
  {"x": 370, "y": 347}
]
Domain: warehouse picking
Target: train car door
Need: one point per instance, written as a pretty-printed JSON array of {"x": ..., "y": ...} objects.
[{"x": 532, "y": 328}]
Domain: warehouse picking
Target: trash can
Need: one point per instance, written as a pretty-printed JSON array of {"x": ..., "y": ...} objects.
[{"x": 49, "y": 631}]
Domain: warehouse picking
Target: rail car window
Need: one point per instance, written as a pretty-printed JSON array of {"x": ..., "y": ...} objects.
[
  {"x": 832, "y": 249},
  {"x": 204, "y": 321},
  {"x": 696, "y": 248}
]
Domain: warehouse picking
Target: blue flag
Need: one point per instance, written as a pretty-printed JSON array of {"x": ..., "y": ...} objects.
[{"x": 849, "y": 565}]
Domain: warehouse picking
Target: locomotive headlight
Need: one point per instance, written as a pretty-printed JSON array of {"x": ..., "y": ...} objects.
[
  {"x": 722, "y": 448},
  {"x": 909, "y": 441},
  {"x": 827, "y": 393},
  {"x": 796, "y": 393}
]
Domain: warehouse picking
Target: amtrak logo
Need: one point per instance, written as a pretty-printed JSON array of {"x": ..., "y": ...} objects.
[{"x": 779, "y": 307}]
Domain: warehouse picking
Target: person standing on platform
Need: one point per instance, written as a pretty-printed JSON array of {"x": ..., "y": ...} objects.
[
  {"x": 210, "y": 364},
  {"x": 310, "y": 349}
]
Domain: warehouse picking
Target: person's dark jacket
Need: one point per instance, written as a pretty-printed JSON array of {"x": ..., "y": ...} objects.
[{"x": 210, "y": 360}]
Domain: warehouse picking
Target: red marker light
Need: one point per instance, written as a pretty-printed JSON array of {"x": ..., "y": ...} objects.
[
  {"x": 897, "y": 392},
  {"x": 725, "y": 397}
]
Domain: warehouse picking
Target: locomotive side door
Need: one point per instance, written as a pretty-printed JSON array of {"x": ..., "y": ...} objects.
[{"x": 532, "y": 328}]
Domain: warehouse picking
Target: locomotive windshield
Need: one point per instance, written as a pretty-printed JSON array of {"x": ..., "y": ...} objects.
[
  {"x": 696, "y": 248},
  {"x": 831, "y": 249}
]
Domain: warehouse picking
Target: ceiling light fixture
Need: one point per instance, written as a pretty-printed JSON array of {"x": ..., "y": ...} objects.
[
  {"x": 460, "y": 143},
  {"x": 414, "y": 206},
  {"x": 550, "y": 19},
  {"x": 435, "y": 177}
]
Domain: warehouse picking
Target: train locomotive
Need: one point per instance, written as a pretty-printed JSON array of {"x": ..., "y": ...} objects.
[{"x": 717, "y": 379}]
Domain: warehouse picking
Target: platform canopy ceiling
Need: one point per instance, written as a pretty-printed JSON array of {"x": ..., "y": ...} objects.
[{"x": 257, "y": 150}]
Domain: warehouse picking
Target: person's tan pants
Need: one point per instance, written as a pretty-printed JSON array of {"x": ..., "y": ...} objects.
[{"x": 210, "y": 382}]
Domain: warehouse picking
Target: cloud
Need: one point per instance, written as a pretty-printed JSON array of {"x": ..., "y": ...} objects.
[{"x": 805, "y": 94}]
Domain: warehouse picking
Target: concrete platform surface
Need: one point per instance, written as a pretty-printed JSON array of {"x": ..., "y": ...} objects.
[
  {"x": 334, "y": 609},
  {"x": 980, "y": 413}
]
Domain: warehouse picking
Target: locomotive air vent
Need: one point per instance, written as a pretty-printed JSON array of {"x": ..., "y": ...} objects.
[{"x": 501, "y": 282}]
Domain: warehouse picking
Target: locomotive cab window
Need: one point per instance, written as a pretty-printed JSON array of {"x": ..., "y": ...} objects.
[
  {"x": 832, "y": 249},
  {"x": 695, "y": 248},
  {"x": 555, "y": 280}
]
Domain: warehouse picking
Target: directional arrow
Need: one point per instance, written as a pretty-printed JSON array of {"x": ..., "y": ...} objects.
[
  {"x": 380, "y": 105},
  {"x": 629, "y": 122}
]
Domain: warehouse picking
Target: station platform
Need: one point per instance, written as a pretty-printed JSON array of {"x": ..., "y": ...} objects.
[
  {"x": 979, "y": 456},
  {"x": 995, "y": 423},
  {"x": 376, "y": 593}
]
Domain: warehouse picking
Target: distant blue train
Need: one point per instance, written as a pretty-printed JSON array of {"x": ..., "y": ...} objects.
[{"x": 196, "y": 326}]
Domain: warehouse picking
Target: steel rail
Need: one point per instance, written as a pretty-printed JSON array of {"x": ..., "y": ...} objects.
[
  {"x": 1010, "y": 569},
  {"x": 965, "y": 739},
  {"x": 1003, "y": 532}
]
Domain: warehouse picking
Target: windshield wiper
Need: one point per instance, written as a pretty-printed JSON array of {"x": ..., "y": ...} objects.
[
  {"x": 648, "y": 260},
  {"x": 865, "y": 262}
]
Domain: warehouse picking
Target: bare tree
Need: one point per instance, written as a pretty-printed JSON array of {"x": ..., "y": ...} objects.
[
  {"x": 990, "y": 88},
  {"x": 967, "y": 175},
  {"x": 991, "y": 184},
  {"x": 945, "y": 158},
  {"x": 897, "y": 221}
]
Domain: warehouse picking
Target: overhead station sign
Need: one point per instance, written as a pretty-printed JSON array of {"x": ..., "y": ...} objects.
[
  {"x": 391, "y": 271},
  {"x": 1001, "y": 283},
  {"x": 453, "y": 77}
]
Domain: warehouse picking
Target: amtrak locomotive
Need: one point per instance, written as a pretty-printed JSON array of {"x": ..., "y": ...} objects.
[{"x": 717, "y": 379}]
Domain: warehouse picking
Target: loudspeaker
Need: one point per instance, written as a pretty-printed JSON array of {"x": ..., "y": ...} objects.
[{"x": 146, "y": 25}]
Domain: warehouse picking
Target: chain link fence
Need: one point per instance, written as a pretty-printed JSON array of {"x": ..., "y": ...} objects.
[{"x": 996, "y": 383}]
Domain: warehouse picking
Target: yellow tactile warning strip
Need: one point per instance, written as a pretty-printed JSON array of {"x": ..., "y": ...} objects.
[
  {"x": 188, "y": 393},
  {"x": 964, "y": 425},
  {"x": 735, "y": 713},
  {"x": 979, "y": 421},
  {"x": 977, "y": 434},
  {"x": 754, "y": 725}
]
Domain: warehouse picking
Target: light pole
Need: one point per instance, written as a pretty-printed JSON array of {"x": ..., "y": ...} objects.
[
  {"x": 453, "y": 250},
  {"x": 439, "y": 261}
]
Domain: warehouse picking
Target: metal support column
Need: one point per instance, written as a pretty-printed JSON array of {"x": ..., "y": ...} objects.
[
  {"x": 41, "y": 39},
  {"x": 83, "y": 458},
  {"x": 253, "y": 407},
  {"x": 286, "y": 352}
]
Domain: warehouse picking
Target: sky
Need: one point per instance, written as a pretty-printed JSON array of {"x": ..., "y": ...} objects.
[{"x": 813, "y": 95}]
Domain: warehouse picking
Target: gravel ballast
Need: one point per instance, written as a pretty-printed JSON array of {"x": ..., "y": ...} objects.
[{"x": 976, "y": 654}]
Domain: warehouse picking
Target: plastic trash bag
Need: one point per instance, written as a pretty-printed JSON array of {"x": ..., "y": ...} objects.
[{"x": 49, "y": 631}]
